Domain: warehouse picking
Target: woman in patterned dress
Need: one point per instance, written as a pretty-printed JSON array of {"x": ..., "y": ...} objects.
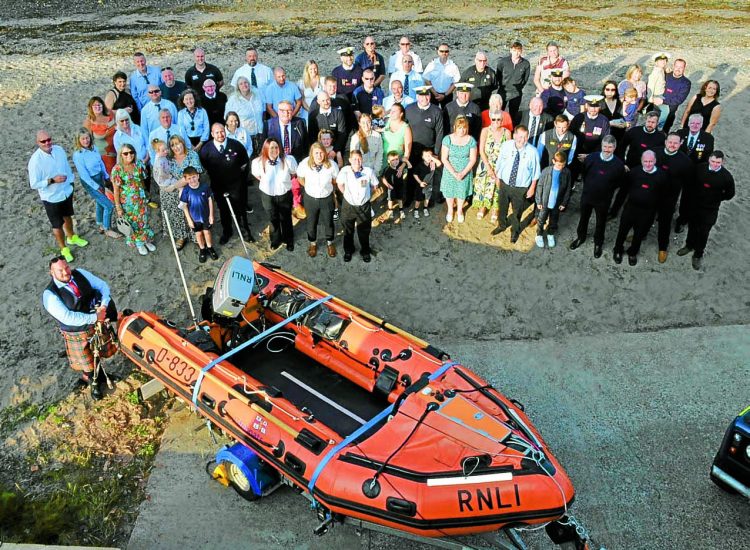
[
  {"x": 128, "y": 177},
  {"x": 490, "y": 141},
  {"x": 101, "y": 122},
  {"x": 459, "y": 155}
]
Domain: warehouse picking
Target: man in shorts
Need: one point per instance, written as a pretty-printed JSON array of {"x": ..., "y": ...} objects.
[{"x": 50, "y": 174}]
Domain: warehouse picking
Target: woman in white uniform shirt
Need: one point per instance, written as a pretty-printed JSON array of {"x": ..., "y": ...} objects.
[
  {"x": 274, "y": 170},
  {"x": 317, "y": 174},
  {"x": 356, "y": 182}
]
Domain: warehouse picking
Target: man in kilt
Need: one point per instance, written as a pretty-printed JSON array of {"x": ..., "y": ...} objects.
[{"x": 79, "y": 301}]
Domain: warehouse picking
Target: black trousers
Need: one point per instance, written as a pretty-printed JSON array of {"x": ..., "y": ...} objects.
[
  {"x": 553, "y": 214},
  {"x": 699, "y": 227},
  {"x": 601, "y": 221},
  {"x": 637, "y": 219},
  {"x": 361, "y": 218},
  {"x": 515, "y": 196},
  {"x": 279, "y": 210},
  {"x": 319, "y": 210},
  {"x": 238, "y": 198},
  {"x": 664, "y": 213},
  {"x": 513, "y": 106}
]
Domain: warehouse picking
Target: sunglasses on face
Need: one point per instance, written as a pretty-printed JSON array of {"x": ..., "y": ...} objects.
[
  {"x": 44, "y": 141},
  {"x": 609, "y": 89},
  {"x": 405, "y": 44},
  {"x": 154, "y": 92},
  {"x": 128, "y": 153},
  {"x": 443, "y": 51},
  {"x": 496, "y": 119}
]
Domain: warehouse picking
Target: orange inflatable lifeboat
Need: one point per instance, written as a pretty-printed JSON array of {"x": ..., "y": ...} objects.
[{"x": 368, "y": 421}]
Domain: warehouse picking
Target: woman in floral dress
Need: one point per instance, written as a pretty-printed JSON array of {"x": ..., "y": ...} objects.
[
  {"x": 459, "y": 155},
  {"x": 128, "y": 177},
  {"x": 490, "y": 141}
]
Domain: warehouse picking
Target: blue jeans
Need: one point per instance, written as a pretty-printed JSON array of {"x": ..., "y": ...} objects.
[{"x": 104, "y": 206}]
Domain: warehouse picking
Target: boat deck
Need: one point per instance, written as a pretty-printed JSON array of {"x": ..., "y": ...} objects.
[{"x": 329, "y": 397}]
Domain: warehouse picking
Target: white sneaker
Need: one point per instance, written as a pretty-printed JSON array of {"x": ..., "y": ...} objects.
[
  {"x": 426, "y": 213},
  {"x": 460, "y": 218},
  {"x": 402, "y": 215},
  {"x": 539, "y": 241},
  {"x": 151, "y": 247},
  {"x": 449, "y": 218},
  {"x": 416, "y": 214},
  {"x": 551, "y": 241},
  {"x": 141, "y": 249}
]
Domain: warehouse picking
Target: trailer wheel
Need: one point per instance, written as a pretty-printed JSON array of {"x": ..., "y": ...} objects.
[{"x": 239, "y": 482}]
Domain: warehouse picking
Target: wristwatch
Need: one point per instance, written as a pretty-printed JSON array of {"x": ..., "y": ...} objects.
[{"x": 50, "y": 181}]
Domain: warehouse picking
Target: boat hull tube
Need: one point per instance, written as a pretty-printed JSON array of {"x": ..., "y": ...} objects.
[{"x": 368, "y": 420}]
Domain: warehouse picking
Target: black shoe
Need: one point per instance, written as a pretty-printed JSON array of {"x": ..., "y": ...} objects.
[
  {"x": 499, "y": 229},
  {"x": 249, "y": 209},
  {"x": 632, "y": 260},
  {"x": 62, "y": 354},
  {"x": 347, "y": 257},
  {"x": 513, "y": 238},
  {"x": 247, "y": 234},
  {"x": 212, "y": 253},
  {"x": 224, "y": 239},
  {"x": 96, "y": 391},
  {"x": 366, "y": 258},
  {"x": 290, "y": 247},
  {"x": 685, "y": 250},
  {"x": 679, "y": 227},
  {"x": 697, "y": 263},
  {"x": 617, "y": 257},
  {"x": 575, "y": 244},
  {"x": 81, "y": 383},
  {"x": 597, "y": 251},
  {"x": 202, "y": 255}
]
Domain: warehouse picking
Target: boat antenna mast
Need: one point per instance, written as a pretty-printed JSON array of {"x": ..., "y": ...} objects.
[{"x": 179, "y": 267}]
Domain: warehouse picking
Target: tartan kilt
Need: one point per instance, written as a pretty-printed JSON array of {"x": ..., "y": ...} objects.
[{"x": 78, "y": 348}]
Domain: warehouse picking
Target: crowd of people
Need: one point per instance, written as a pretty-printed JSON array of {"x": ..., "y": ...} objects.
[{"x": 323, "y": 148}]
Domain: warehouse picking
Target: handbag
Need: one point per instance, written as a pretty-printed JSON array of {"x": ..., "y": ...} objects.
[{"x": 124, "y": 227}]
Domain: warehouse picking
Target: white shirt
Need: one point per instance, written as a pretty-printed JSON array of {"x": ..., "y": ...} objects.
[
  {"x": 150, "y": 114},
  {"x": 394, "y": 63},
  {"x": 263, "y": 74},
  {"x": 318, "y": 185},
  {"x": 442, "y": 76},
  {"x": 389, "y": 100},
  {"x": 275, "y": 180},
  {"x": 136, "y": 138},
  {"x": 43, "y": 166},
  {"x": 357, "y": 190}
]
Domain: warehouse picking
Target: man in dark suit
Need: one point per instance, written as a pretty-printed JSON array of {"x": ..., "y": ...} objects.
[
  {"x": 227, "y": 164},
  {"x": 698, "y": 145},
  {"x": 329, "y": 117},
  {"x": 339, "y": 102},
  {"x": 292, "y": 135},
  {"x": 214, "y": 102},
  {"x": 536, "y": 120}
]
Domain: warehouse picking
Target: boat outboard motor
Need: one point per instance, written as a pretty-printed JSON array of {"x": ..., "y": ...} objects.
[{"x": 233, "y": 286}]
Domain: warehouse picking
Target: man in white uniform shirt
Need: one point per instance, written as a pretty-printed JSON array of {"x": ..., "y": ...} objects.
[
  {"x": 258, "y": 74},
  {"x": 409, "y": 78},
  {"x": 404, "y": 47},
  {"x": 442, "y": 74}
]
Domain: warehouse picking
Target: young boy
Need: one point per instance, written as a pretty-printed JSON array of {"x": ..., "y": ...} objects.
[
  {"x": 629, "y": 110},
  {"x": 394, "y": 178},
  {"x": 425, "y": 174},
  {"x": 574, "y": 102},
  {"x": 197, "y": 203},
  {"x": 552, "y": 196}
]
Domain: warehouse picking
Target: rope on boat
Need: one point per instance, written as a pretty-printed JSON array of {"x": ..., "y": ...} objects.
[{"x": 253, "y": 340}]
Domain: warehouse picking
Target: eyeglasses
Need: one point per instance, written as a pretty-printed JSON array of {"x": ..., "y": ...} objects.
[
  {"x": 48, "y": 140},
  {"x": 154, "y": 91},
  {"x": 409, "y": 61},
  {"x": 443, "y": 51},
  {"x": 369, "y": 43},
  {"x": 405, "y": 44},
  {"x": 128, "y": 153},
  {"x": 609, "y": 89},
  {"x": 496, "y": 119},
  {"x": 365, "y": 78}
]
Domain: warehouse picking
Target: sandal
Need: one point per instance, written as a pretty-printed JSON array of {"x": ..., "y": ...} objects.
[
  {"x": 180, "y": 243},
  {"x": 480, "y": 214},
  {"x": 112, "y": 234},
  {"x": 493, "y": 217}
]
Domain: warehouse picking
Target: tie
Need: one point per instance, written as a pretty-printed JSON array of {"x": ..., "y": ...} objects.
[
  {"x": 691, "y": 143},
  {"x": 287, "y": 146},
  {"x": 273, "y": 162},
  {"x": 221, "y": 148},
  {"x": 318, "y": 168},
  {"x": 253, "y": 81},
  {"x": 406, "y": 84},
  {"x": 514, "y": 170},
  {"x": 357, "y": 174},
  {"x": 74, "y": 289},
  {"x": 532, "y": 131},
  {"x": 169, "y": 135},
  {"x": 158, "y": 107}
]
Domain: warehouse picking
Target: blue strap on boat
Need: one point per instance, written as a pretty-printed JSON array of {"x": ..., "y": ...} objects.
[
  {"x": 250, "y": 342},
  {"x": 359, "y": 431}
]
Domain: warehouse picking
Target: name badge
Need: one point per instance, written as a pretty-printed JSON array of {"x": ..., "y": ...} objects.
[{"x": 597, "y": 131}]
